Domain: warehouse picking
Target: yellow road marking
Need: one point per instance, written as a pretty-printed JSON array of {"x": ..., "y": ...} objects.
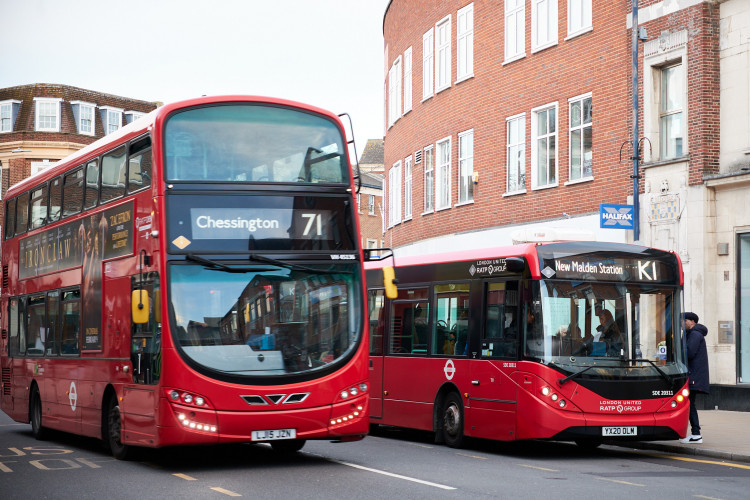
[
  {"x": 185, "y": 476},
  {"x": 618, "y": 481},
  {"x": 538, "y": 468},
  {"x": 226, "y": 492},
  {"x": 707, "y": 498},
  {"x": 472, "y": 456},
  {"x": 697, "y": 460}
]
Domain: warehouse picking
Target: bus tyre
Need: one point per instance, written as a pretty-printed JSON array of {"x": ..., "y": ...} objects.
[
  {"x": 287, "y": 446},
  {"x": 453, "y": 421},
  {"x": 37, "y": 430},
  {"x": 588, "y": 444},
  {"x": 113, "y": 431}
]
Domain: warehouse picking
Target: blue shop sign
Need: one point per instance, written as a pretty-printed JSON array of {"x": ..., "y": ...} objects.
[{"x": 616, "y": 216}]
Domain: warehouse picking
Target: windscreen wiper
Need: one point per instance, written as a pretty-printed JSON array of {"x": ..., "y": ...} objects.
[
  {"x": 294, "y": 267},
  {"x": 570, "y": 377},
  {"x": 656, "y": 367},
  {"x": 212, "y": 264}
]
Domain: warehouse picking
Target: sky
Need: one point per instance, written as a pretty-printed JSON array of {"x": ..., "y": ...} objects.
[{"x": 328, "y": 53}]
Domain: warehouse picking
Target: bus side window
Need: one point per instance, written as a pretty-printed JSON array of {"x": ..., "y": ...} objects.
[
  {"x": 55, "y": 200},
  {"x": 451, "y": 328},
  {"x": 376, "y": 310},
  {"x": 73, "y": 192},
  {"x": 71, "y": 322},
  {"x": 500, "y": 336},
  {"x": 13, "y": 344},
  {"x": 37, "y": 325},
  {"x": 113, "y": 175},
  {"x": 139, "y": 165},
  {"x": 22, "y": 213},
  {"x": 91, "y": 194},
  {"x": 10, "y": 218},
  {"x": 38, "y": 207}
]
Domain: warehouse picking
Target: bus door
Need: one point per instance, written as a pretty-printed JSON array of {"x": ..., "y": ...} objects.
[
  {"x": 376, "y": 315},
  {"x": 406, "y": 374},
  {"x": 62, "y": 379},
  {"x": 492, "y": 408},
  {"x": 140, "y": 395}
]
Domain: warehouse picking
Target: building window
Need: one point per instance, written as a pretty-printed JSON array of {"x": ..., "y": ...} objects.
[
  {"x": 671, "y": 104},
  {"x": 543, "y": 24},
  {"x": 371, "y": 204},
  {"x": 544, "y": 147},
  {"x": 359, "y": 202},
  {"x": 8, "y": 112},
  {"x": 394, "y": 194},
  {"x": 47, "y": 114},
  {"x": 443, "y": 54},
  {"x": 516, "y": 148},
  {"x": 515, "y": 29},
  {"x": 429, "y": 179},
  {"x": 84, "y": 114},
  {"x": 407, "y": 188},
  {"x": 131, "y": 116},
  {"x": 466, "y": 167},
  {"x": 443, "y": 175},
  {"x": 111, "y": 119},
  {"x": 394, "y": 92},
  {"x": 579, "y": 17},
  {"x": 427, "y": 63},
  {"x": 407, "y": 80},
  {"x": 465, "y": 43},
  {"x": 581, "y": 161}
]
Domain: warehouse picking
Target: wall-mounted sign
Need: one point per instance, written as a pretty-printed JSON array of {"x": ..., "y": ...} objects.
[{"x": 616, "y": 216}]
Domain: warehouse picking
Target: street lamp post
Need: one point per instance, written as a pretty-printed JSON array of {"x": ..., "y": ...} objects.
[{"x": 635, "y": 176}]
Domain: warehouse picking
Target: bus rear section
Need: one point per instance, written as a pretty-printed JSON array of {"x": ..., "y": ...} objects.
[{"x": 576, "y": 341}]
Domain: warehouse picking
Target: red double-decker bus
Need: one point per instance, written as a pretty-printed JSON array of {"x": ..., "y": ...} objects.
[
  {"x": 193, "y": 278},
  {"x": 575, "y": 341}
]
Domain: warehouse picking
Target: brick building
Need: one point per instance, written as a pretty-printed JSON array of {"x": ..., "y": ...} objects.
[
  {"x": 42, "y": 123},
  {"x": 491, "y": 130},
  {"x": 370, "y": 196}
]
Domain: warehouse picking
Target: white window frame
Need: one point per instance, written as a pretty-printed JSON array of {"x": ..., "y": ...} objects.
[
  {"x": 109, "y": 114},
  {"x": 370, "y": 204},
  {"x": 407, "y": 80},
  {"x": 660, "y": 53},
  {"x": 466, "y": 167},
  {"x": 53, "y": 104},
  {"x": 536, "y": 137},
  {"x": 428, "y": 63},
  {"x": 394, "y": 194},
  {"x": 428, "y": 160},
  {"x": 91, "y": 108},
  {"x": 408, "y": 194},
  {"x": 38, "y": 166},
  {"x": 667, "y": 114},
  {"x": 443, "y": 174},
  {"x": 6, "y": 109},
  {"x": 579, "y": 18},
  {"x": 465, "y": 43},
  {"x": 586, "y": 174},
  {"x": 131, "y": 116},
  {"x": 515, "y": 30},
  {"x": 515, "y": 148},
  {"x": 443, "y": 62},
  {"x": 394, "y": 92},
  {"x": 544, "y": 21}
]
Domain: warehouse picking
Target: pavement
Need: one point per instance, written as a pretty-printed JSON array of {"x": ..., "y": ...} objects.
[{"x": 724, "y": 437}]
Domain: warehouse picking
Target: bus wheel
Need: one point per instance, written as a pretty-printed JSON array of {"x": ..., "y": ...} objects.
[
  {"x": 37, "y": 430},
  {"x": 453, "y": 421},
  {"x": 112, "y": 436},
  {"x": 287, "y": 445}
]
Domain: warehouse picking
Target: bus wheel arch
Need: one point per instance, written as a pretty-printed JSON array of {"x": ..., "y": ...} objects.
[
  {"x": 449, "y": 416},
  {"x": 112, "y": 426},
  {"x": 36, "y": 413}
]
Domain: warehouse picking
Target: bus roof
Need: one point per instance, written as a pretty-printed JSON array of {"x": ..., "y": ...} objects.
[{"x": 142, "y": 125}]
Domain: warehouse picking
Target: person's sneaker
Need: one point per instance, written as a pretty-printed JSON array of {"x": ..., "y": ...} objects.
[{"x": 692, "y": 439}]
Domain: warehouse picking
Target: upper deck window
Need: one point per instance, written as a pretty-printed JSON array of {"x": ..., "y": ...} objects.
[{"x": 253, "y": 143}]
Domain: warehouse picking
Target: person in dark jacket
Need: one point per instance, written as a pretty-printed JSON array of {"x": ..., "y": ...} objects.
[{"x": 695, "y": 334}]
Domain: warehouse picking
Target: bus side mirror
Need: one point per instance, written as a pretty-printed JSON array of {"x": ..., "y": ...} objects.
[
  {"x": 389, "y": 280},
  {"x": 139, "y": 307}
]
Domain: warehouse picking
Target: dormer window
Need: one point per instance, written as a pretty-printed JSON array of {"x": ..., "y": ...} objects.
[
  {"x": 131, "y": 116},
  {"x": 8, "y": 112},
  {"x": 111, "y": 118},
  {"x": 84, "y": 115},
  {"x": 47, "y": 114}
]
